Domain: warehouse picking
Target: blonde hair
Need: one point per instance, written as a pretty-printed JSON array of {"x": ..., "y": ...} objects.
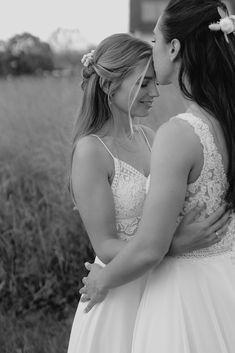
[{"x": 116, "y": 57}]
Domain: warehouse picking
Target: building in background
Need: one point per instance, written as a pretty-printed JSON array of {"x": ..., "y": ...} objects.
[{"x": 144, "y": 15}]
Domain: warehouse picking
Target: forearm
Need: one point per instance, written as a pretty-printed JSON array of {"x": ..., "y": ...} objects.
[
  {"x": 132, "y": 262},
  {"x": 109, "y": 249},
  {"x": 182, "y": 245}
]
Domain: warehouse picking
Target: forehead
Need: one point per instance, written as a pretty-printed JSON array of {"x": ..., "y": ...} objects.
[
  {"x": 144, "y": 74},
  {"x": 138, "y": 72},
  {"x": 150, "y": 72},
  {"x": 157, "y": 27}
]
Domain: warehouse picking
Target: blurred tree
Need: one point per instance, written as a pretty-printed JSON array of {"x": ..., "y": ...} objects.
[
  {"x": 26, "y": 54},
  {"x": 4, "y": 69}
]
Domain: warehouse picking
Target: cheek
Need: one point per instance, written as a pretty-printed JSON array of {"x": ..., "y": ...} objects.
[
  {"x": 121, "y": 100},
  {"x": 155, "y": 58},
  {"x": 163, "y": 70},
  {"x": 158, "y": 60}
]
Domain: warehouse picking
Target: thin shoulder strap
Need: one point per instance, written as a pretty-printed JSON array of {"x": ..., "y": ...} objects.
[
  {"x": 146, "y": 139},
  {"x": 104, "y": 145},
  {"x": 70, "y": 181}
]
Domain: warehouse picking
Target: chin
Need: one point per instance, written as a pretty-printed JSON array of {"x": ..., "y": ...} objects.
[
  {"x": 164, "y": 81},
  {"x": 143, "y": 114}
]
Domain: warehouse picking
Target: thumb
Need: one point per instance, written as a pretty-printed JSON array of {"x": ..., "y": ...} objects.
[{"x": 191, "y": 215}]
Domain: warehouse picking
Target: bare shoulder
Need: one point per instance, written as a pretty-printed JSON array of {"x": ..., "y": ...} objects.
[
  {"x": 177, "y": 137},
  {"x": 180, "y": 130},
  {"x": 90, "y": 153},
  {"x": 150, "y": 133}
]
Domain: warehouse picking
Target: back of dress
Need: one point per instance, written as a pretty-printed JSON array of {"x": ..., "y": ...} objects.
[
  {"x": 188, "y": 305},
  {"x": 210, "y": 187}
]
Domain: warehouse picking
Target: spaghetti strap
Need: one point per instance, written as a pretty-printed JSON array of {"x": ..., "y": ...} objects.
[
  {"x": 104, "y": 145},
  {"x": 70, "y": 179},
  {"x": 145, "y": 137}
]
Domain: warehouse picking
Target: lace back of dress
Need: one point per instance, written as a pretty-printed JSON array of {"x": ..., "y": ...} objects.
[{"x": 210, "y": 187}]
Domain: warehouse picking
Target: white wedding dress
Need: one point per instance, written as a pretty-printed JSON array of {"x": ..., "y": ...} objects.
[
  {"x": 108, "y": 327},
  {"x": 188, "y": 305}
]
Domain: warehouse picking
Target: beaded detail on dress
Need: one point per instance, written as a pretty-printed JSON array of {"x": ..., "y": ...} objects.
[
  {"x": 209, "y": 189},
  {"x": 129, "y": 192}
]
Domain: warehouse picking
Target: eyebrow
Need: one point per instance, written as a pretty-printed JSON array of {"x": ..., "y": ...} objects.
[{"x": 148, "y": 78}]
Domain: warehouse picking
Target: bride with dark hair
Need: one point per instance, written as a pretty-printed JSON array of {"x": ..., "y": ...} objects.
[
  {"x": 188, "y": 305},
  {"x": 109, "y": 168}
]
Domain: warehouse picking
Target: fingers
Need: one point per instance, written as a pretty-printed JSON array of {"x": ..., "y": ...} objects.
[
  {"x": 216, "y": 215},
  {"x": 88, "y": 265},
  {"x": 210, "y": 241},
  {"x": 84, "y": 280},
  {"x": 222, "y": 231},
  {"x": 191, "y": 215},
  {"x": 84, "y": 298},
  {"x": 92, "y": 302},
  {"x": 83, "y": 290},
  {"x": 219, "y": 224},
  {"x": 214, "y": 237},
  {"x": 207, "y": 241}
]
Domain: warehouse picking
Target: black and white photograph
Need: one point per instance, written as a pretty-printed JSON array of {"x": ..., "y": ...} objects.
[{"x": 117, "y": 176}]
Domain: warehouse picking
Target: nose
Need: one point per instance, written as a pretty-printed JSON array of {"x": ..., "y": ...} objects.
[{"x": 153, "y": 89}]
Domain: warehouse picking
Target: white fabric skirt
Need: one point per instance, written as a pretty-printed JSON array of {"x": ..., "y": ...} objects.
[
  {"x": 108, "y": 327},
  {"x": 188, "y": 306}
]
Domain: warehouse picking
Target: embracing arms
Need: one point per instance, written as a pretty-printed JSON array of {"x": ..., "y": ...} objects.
[
  {"x": 171, "y": 163},
  {"x": 94, "y": 199},
  {"x": 173, "y": 158},
  {"x": 91, "y": 178}
]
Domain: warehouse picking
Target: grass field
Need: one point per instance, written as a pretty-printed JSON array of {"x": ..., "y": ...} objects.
[{"x": 42, "y": 242}]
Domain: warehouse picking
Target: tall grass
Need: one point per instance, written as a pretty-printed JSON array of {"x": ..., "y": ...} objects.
[
  {"x": 43, "y": 244},
  {"x": 42, "y": 241}
]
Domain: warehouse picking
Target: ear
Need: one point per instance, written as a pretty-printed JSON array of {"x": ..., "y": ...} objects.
[
  {"x": 105, "y": 87},
  {"x": 174, "y": 49}
]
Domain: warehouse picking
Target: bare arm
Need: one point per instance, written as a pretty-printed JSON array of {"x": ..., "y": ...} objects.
[
  {"x": 171, "y": 163},
  {"x": 190, "y": 234},
  {"x": 94, "y": 199}
]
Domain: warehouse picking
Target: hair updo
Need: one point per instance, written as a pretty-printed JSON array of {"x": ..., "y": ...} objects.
[
  {"x": 112, "y": 61},
  {"x": 86, "y": 74}
]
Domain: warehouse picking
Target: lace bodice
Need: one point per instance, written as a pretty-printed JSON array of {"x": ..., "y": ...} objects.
[
  {"x": 210, "y": 187},
  {"x": 129, "y": 191}
]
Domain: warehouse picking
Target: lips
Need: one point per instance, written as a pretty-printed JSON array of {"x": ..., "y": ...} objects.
[{"x": 147, "y": 103}]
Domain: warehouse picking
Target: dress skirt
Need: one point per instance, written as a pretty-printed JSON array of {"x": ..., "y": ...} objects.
[
  {"x": 188, "y": 306},
  {"x": 108, "y": 327}
]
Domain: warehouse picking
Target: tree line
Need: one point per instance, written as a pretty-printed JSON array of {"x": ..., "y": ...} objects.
[{"x": 25, "y": 54}]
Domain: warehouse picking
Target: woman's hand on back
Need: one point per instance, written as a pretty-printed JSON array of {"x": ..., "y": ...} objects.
[{"x": 192, "y": 235}]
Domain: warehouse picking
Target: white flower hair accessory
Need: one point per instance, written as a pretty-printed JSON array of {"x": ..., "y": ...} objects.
[
  {"x": 87, "y": 59},
  {"x": 226, "y": 24}
]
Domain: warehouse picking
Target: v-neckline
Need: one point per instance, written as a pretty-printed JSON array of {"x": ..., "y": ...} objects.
[{"x": 131, "y": 167}]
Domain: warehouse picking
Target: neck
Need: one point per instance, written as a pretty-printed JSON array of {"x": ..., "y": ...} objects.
[
  {"x": 119, "y": 126},
  {"x": 186, "y": 102}
]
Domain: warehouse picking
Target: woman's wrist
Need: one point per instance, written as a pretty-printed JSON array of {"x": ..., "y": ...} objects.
[
  {"x": 103, "y": 282},
  {"x": 177, "y": 247}
]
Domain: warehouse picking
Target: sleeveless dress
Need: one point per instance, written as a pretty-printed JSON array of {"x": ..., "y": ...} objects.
[
  {"x": 188, "y": 305},
  {"x": 108, "y": 327}
]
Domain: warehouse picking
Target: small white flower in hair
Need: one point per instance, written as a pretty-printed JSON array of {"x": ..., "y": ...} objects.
[
  {"x": 226, "y": 24},
  {"x": 87, "y": 59}
]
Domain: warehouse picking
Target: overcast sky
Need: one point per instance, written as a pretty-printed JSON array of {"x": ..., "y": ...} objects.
[{"x": 94, "y": 18}]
